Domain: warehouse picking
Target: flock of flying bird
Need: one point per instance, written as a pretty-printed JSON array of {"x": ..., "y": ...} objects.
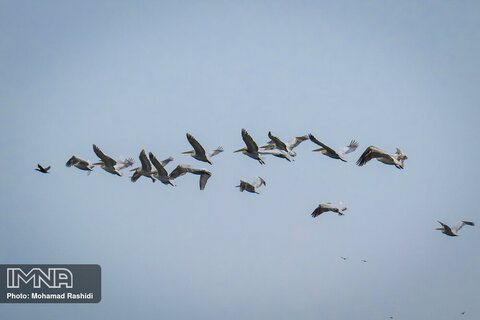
[{"x": 275, "y": 147}]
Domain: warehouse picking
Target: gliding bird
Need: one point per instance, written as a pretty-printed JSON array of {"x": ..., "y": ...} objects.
[
  {"x": 161, "y": 174},
  {"x": 144, "y": 170},
  {"x": 453, "y": 232},
  {"x": 276, "y": 143},
  {"x": 372, "y": 152},
  {"x": 329, "y": 152},
  {"x": 79, "y": 163},
  {"x": 251, "y": 187},
  {"x": 107, "y": 163},
  {"x": 252, "y": 149},
  {"x": 42, "y": 169},
  {"x": 198, "y": 151},
  {"x": 182, "y": 169},
  {"x": 325, "y": 207}
]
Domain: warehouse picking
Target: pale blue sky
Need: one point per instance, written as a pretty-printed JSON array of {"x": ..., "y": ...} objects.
[{"x": 134, "y": 75}]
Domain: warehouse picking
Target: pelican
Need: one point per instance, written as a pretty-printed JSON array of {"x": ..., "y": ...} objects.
[
  {"x": 123, "y": 163},
  {"x": 329, "y": 152},
  {"x": 252, "y": 149},
  {"x": 276, "y": 143},
  {"x": 182, "y": 169},
  {"x": 107, "y": 163},
  {"x": 371, "y": 152},
  {"x": 161, "y": 174},
  {"x": 79, "y": 163},
  {"x": 325, "y": 207},
  {"x": 251, "y": 187},
  {"x": 144, "y": 170},
  {"x": 42, "y": 169},
  {"x": 453, "y": 232},
  {"x": 198, "y": 152},
  {"x": 277, "y": 153}
]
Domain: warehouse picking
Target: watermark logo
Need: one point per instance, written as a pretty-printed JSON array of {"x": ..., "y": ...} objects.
[
  {"x": 54, "y": 278},
  {"x": 76, "y": 283}
]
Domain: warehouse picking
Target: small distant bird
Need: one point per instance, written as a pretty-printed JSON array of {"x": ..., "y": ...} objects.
[
  {"x": 182, "y": 169},
  {"x": 276, "y": 143},
  {"x": 106, "y": 163},
  {"x": 463, "y": 312},
  {"x": 42, "y": 169},
  {"x": 198, "y": 151},
  {"x": 329, "y": 152},
  {"x": 251, "y": 187},
  {"x": 161, "y": 174},
  {"x": 252, "y": 148},
  {"x": 277, "y": 153},
  {"x": 343, "y": 258},
  {"x": 325, "y": 207},
  {"x": 144, "y": 170},
  {"x": 453, "y": 232},
  {"x": 79, "y": 163},
  {"x": 397, "y": 159},
  {"x": 364, "y": 260}
]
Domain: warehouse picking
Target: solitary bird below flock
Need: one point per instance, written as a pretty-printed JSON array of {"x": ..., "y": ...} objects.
[
  {"x": 276, "y": 143},
  {"x": 182, "y": 169},
  {"x": 397, "y": 159},
  {"x": 42, "y": 169},
  {"x": 326, "y": 207},
  {"x": 453, "y": 232},
  {"x": 199, "y": 152},
  {"x": 251, "y": 187},
  {"x": 252, "y": 148},
  {"x": 329, "y": 152}
]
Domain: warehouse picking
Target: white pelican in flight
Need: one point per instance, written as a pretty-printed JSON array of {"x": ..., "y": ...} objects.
[
  {"x": 276, "y": 143},
  {"x": 161, "y": 174},
  {"x": 453, "y": 231},
  {"x": 79, "y": 163},
  {"x": 329, "y": 152},
  {"x": 144, "y": 170},
  {"x": 42, "y": 169},
  {"x": 325, "y": 207},
  {"x": 107, "y": 163},
  {"x": 252, "y": 149},
  {"x": 277, "y": 153},
  {"x": 372, "y": 152},
  {"x": 198, "y": 152},
  {"x": 251, "y": 187},
  {"x": 182, "y": 169}
]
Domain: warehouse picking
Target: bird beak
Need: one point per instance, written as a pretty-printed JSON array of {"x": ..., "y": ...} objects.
[
  {"x": 98, "y": 163},
  {"x": 319, "y": 149},
  {"x": 237, "y": 186},
  {"x": 239, "y": 150},
  {"x": 188, "y": 152},
  {"x": 438, "y": 228}
]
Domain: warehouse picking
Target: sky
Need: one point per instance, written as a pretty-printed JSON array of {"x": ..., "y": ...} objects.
[{"x": 128, "y": 76}]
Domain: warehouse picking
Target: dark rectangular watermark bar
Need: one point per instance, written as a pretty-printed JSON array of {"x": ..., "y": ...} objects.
[{"x": 50, "y": 283}]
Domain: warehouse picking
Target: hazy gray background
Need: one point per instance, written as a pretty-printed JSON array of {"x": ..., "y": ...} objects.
[{"x": 133, "y": 75}]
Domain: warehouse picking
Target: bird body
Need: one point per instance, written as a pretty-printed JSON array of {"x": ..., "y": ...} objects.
[
  {"x": 144, "y": 170},
  {"x": 453, "y": 232},
  {"x": 276, "y": 143},
  {"x": 252, "y": 148},
  {"x": 329, "y": 152},
  {"x": 79, "y": 163},
  {"x": 161, "y": 174},
  {"x": 251, "y": 187},
  {"x": 199, "y": 152},
  {"x": 183, "y": 169},
  {"x": 326, "y": 207},
  {"x": 107, "y": 163},
  {"x": 397, "y": 159},
  {"x": 42, "y": 169}
]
